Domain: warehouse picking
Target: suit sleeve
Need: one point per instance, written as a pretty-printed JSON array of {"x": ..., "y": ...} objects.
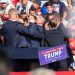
[
  {"x": 65, "y": 31},
  {"x": 30, "y": 30},
  {"x": 24, "y": 30},
  {"x": 40, "y": 33}
]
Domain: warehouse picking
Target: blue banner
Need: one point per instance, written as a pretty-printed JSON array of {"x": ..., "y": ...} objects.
[{"x": 53, "y": 54}]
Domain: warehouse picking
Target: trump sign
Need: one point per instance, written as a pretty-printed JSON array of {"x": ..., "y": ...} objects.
[{"x": 49, "y": 55}]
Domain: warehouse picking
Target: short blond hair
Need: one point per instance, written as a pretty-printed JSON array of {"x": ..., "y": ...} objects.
[{"x": 12, "y": 10}]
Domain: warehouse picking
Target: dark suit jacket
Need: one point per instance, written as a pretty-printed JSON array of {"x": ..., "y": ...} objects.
[
  {"x": 57, "y": 36},
  {"x": 13, "y": 31},
  {"x": 36, "y": 39}
]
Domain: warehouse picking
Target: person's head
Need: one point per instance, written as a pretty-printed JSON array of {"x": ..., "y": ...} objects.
[
  {"x": 36, "y": 3},
  {"x": 42, "y": 71},
  {"x": 39, "y": 20},
  {"x": 3, "y": 3},
  {"x": 44, "y": 11},
  {"x": 13, "y": 14},
  {"x": 32, "y": 11},
  {"x": 54, "y": 20},
  {"x": 23, "y": 14},
  {"x": 24, "y": 2},
  {"x": 49, "y": 7}
]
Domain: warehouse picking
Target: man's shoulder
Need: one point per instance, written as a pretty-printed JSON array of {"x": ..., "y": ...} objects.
[
  {"x": 10, "y": 22},
  {"x": 19, "y": 24},
  {"x": 6, "y": 22}
]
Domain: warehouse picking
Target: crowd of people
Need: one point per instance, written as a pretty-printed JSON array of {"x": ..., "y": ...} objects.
[{"x": 26, "y": 24}]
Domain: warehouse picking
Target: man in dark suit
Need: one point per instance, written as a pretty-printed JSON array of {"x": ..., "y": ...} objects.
[
  {"x": 55, "y": 36},
  {"x": 13, "y": 31},
  {"x": 15, "y": 36}
]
